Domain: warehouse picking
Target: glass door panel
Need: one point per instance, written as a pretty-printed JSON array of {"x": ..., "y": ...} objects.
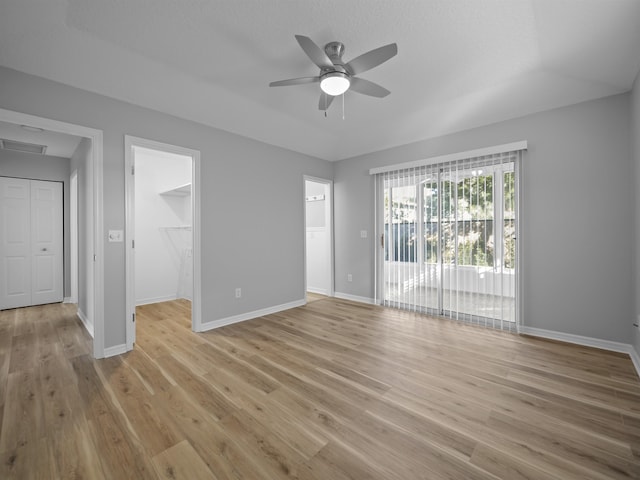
[
  {"x": 507, "y": 265},
  {"x": 469, "y": 243},
  {"x": 401, "y": 247},
  {"x": 431, "y": 291},
  {"x": 449, "y": 242}
]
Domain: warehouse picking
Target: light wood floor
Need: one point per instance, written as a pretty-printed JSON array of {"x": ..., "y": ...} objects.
[
  {"x": 330, "y": 391},
  {"x": 314, "y": 297}
]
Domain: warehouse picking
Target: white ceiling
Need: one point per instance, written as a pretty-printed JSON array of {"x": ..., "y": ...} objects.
[
  {"x": 58, "y": 144},
  {"x": 460, "y": 63}
]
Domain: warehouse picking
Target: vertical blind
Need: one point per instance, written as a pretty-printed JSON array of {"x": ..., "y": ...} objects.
[{"x": 448, "y": 235}]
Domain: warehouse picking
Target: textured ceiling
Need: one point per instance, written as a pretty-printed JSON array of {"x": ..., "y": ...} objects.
[{"x": 460, "y": 63}]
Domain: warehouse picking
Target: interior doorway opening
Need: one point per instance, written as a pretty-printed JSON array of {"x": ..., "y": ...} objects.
[
  {"x": 162, "y": 229},
  {"x": 318, "y": 209},
  {"x": 87, "y": 219}
]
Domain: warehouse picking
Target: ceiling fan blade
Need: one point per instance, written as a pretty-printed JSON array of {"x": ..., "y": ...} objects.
[
  {"x": 325, "y": 101},
  {"x": 295, "y": 81},
  {"x": 371, "y": 59},
  {"x": 314, "y": 52},
  {"x": 366, "y": 87}
]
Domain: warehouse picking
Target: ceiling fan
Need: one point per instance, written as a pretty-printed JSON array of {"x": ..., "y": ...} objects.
[{"x": 336, "y": 76}]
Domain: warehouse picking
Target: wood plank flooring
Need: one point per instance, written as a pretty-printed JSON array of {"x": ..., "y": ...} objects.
[
  {"x": 333, "y": 390},
  {"x": 314, "y": 297}
]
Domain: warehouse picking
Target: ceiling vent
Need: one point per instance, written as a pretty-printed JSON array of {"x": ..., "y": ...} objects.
[{"x": 22, "y": 147}]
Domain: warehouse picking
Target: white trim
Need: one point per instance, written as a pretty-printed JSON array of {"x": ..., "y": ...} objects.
[
  {"x": 95, "y": 273},
  {"x": 577, "y": 339},
  {"x": 98, "y": 240},
  {"x": 520, "y": 241},
  {"x": 378, "y": 249},
  {"x": 115, "y": 350},
  {"x": 129, "y": 254},
  {"x": 452, "y": 157},
  {"x": 149, "y": 301},
  {"x": 83, "y": 318},
  {"x": 635, "y": 358},
  {"x": 67, "y": 300},
  {"x": 196, "y": 296},
  {"x": 250, "y": 315},
  {"x": 319, "y": 291},
  {"x": 355, "y": 298},
  {"x": 73, "y": 236},
  {"x": 196, "y": 306},
  {"x": 585, "y": 341}
]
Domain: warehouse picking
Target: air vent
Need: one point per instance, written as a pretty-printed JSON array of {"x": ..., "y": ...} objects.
[{"x": 22, "y": 147}]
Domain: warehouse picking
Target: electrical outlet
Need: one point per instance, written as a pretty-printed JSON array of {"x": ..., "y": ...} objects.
[
  {"x": 238, "y": 292},
  {"x": 349, "y": 277},
  {"x": 363, "y": 234}
]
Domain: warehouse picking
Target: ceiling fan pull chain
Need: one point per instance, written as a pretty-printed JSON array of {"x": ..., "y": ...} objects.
[{"x": 343, "y": 106}]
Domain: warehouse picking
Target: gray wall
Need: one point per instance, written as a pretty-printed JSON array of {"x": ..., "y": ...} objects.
[
  {"x": 635, "y": 145},
  {"x": 577, "y": 214},
  {"x": 252, "y": 206},
  {"x": 252, "y": 198},
  {"x": 79, "y": 162},
  {"x": 43, "y": 167}
]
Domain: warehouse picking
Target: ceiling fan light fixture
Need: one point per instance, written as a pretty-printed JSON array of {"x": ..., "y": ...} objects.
[{"x": 335, "y": 83}]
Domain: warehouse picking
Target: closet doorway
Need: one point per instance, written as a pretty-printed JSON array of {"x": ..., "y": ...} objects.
[
  {"x": 318, "y": 237},
  {"x": 161, "y": 229},
  {"x": 31, "y": 242}
]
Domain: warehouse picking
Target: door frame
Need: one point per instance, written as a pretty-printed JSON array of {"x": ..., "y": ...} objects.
[
  {"x": 196, "y": 306},
  {"x": 329, "y": 213},
  {"x": 95, "y": 269},
  {"x": 73, "y": 236}
]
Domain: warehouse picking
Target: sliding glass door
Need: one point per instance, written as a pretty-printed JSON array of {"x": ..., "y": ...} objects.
[{"x": 449, "y": 239}]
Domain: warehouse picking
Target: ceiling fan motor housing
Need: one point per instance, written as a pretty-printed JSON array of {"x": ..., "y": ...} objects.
[{"x": 334, "y": 51}]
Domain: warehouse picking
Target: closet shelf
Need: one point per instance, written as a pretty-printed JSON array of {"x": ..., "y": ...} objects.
[{"x": 180, "y": 191}]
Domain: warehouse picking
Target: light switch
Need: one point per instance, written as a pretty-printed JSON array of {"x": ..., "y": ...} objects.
[
  {"x": 363, "y": 234},
  {"x": 116, "y": 236}
]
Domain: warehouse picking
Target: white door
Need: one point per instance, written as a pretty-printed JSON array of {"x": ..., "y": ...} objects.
[
  {"x": 15, "y": 228},
  {"x": 31, "y": 248}
]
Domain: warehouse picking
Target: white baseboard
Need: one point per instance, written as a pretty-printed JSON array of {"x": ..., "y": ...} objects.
[
  {"x": 147, "y": 301},
  {"x": 319, "y": 291},
  {"x": 354, "y": 298},
  {"x": 69, "y": 300},
  {"x": 587, "y": 342},
  {"x": 635, "y": 358},
  {"x": 250, "y": 315},
  {"x": 85, "y": 321},
  {"x": 577, "y": 339},
  {"x": 115, "y": 350}
]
